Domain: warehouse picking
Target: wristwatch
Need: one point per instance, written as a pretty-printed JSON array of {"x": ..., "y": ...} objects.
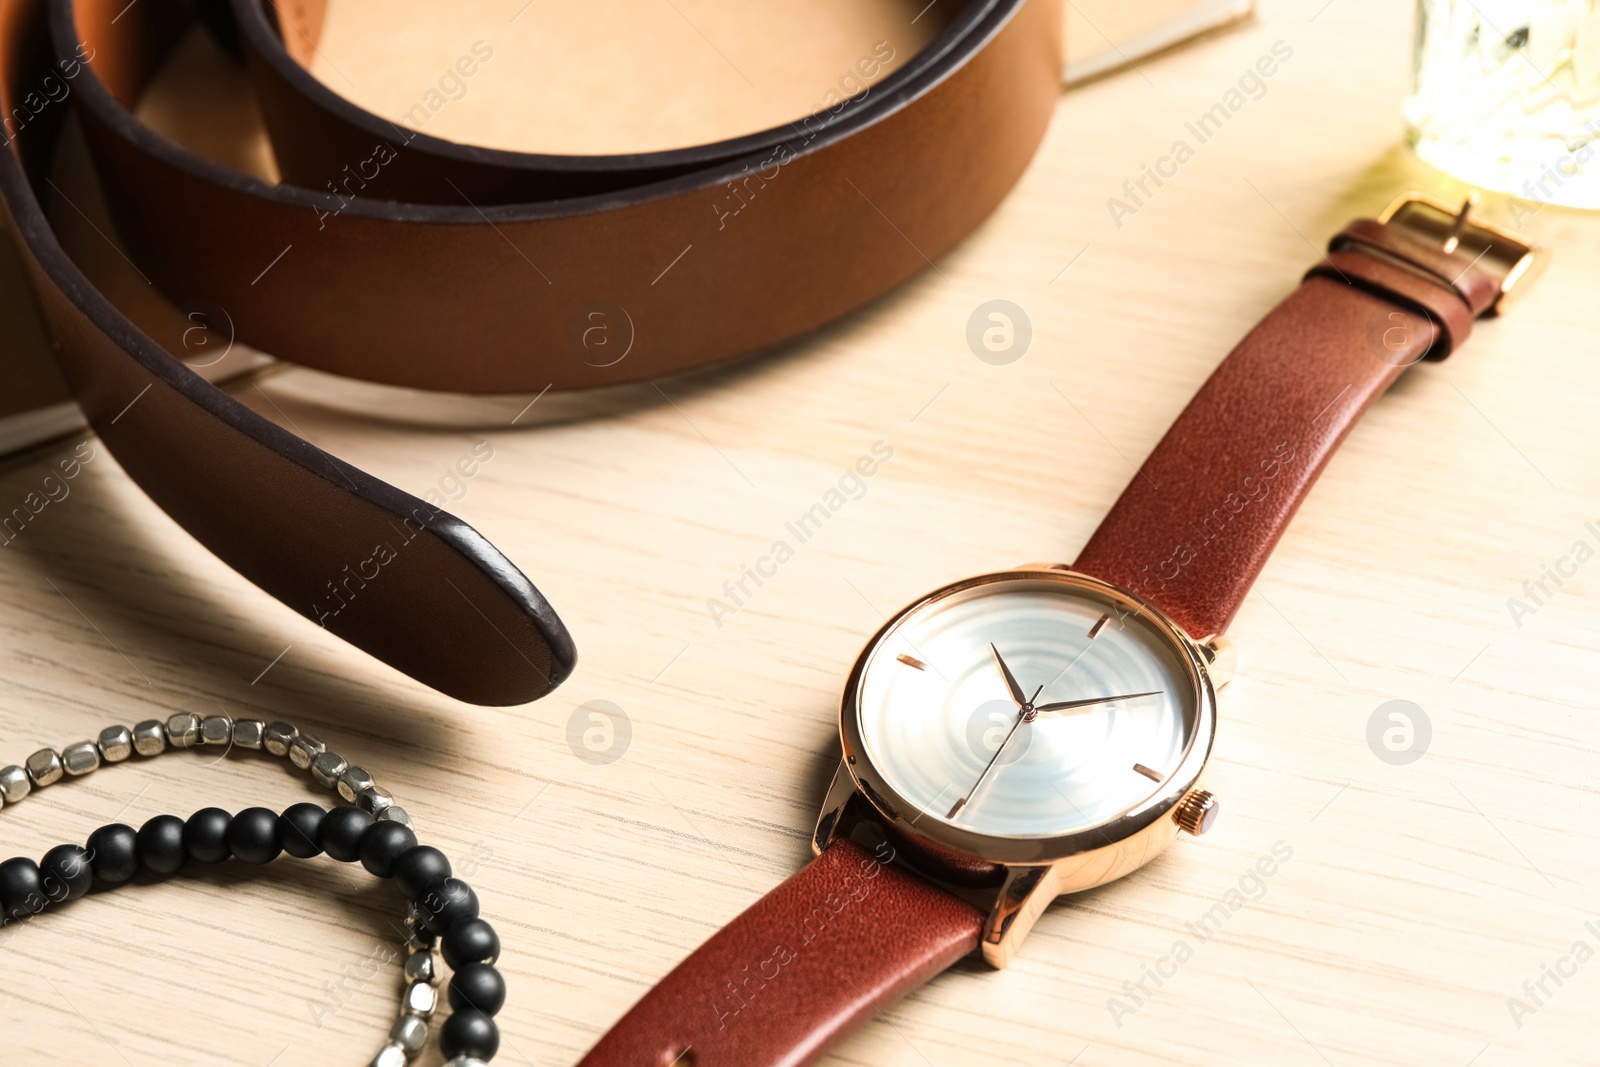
[{"x": 1040, "y": 731}]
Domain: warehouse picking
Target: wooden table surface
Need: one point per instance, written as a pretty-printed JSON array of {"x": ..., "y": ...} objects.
[{"x": 1410, "y": 902}]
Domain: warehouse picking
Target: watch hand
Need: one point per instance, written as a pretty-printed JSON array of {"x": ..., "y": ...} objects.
[
  {"x": 1069, "y": 705},
  {"x": 1024, "y": 714},
  {"x": 958, "y": 805},
  {"x": 1011, "y": 681}
]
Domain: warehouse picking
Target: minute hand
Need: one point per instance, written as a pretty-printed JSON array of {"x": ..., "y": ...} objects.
[{"x": 1071, "y": 705}]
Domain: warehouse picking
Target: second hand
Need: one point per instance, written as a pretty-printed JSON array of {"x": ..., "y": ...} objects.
[{"x": 1022, "y": 716}]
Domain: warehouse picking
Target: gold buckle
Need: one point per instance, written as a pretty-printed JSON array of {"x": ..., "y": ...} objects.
[{"x": 1513, "y": 262}]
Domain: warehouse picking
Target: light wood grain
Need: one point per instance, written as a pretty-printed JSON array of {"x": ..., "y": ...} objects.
[{"x": 1418, "y": 898}]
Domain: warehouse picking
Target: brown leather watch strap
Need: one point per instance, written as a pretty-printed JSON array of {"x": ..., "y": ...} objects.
[
  {"x": 813, "y": 959},
  {"x": 847, "y": 934},
  {"x": 1195, "y": 525},
  {"x": 397, "y": 257}
]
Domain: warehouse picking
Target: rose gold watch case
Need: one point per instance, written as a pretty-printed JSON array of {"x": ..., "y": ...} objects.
[{"x": 1030, "y": 872}]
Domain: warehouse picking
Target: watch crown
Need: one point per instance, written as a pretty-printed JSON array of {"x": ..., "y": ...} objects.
[{"x": 1196, "y": 812}]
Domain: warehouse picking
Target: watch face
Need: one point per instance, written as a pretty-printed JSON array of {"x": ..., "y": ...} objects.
[{"x": 1097, "y": 716}]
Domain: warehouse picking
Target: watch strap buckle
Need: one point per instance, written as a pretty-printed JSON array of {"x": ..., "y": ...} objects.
[{"x": 1508, "y": 260}]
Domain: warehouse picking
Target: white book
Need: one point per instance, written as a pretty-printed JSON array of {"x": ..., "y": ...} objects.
[{"x": 1107, "y": 35}]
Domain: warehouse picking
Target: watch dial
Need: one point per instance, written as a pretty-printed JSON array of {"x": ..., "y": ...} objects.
[{"x": 947, "y": 732}]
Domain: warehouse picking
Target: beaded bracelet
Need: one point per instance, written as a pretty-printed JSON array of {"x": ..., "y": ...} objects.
[
  {"x": 444, "y": 910},
  {"x": 188, "y": 730}
]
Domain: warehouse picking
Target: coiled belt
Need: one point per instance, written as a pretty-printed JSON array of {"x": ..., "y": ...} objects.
[{"x": 395, "y": 257}]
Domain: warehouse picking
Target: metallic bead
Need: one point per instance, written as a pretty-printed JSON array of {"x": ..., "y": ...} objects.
[
  {"x": 352, "y": 781},
  {"x": 116, "y": 743},
  {"x": 303, "y": 749},
  {"x": 44, "y": 767},
  {"x": 375, "y": 799},
  {"x": 247, "y": 733},
  {"x": 216, "y": 730},
  {"x": 183, "y": 730},
  {"x": 395, "y": 813},
  {"x": 327, "y": 768},
  {"x": 149, "y": 738},
  {"x": 80, "y": 758},
  {"x": 278, "y": 737},
  {"x": 410, "y": 1033},
  {"x": 465, "y": 1060},
  {"x": 14, "y": 784},
  {"x": 418, "y": 937},
  {"x": 423, "y": 966},
  {"x": 390, "y": 1056},
  {"x": 421, "y": 999}
]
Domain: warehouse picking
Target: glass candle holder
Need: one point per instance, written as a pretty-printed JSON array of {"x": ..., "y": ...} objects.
[{"x": 1507, "y": 96}]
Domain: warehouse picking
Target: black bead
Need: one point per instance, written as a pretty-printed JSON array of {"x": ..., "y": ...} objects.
[
  {"x": 445, "y": 903},
  {"x": 66, "y": 873},
  {"x": 470, "y": 941},
  {"x": 477, "y": 985},
  {"x": 300, "y": 828},
  {"x": 341, "y": 832},
  {"x": 382, "y": 844},
  {"x": 469, "y": 1033},
  {"x": 205, "y": 835},
  {"x": 160, "y": 845},
  {"x": 253, "y": 836},
  {"x": 114, "y": 853},
  {"x": 417, "y": 868},
  {"x": 21, "y": 889}
]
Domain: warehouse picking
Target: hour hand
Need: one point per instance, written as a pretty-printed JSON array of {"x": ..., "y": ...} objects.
[
  {"x": 1011, "y": 681},
  {"x": 1071, "y": 705}
]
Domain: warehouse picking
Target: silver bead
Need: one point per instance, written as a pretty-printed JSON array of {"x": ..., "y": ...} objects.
[
  {"x": 80, "y": 758},
  {"x": 149, "y": 738},
  {"x": 303, "y": 749},
  {"x": 390, "y": 1056},
  {"x": 395, "y": 813},
  {"x": 410, "y": 1033},
  {"x": 44, "y": 767},
  {"x": 278, "y": 737},
  {"x": 247, "y": 733},
  {"x": 116, "y": 743},
  {"x": 183, "y": 730},
  {"x": 352, "y": 781},
  {"x": 216, "y": 730},
  {"x": 375, "y": 799},
  {"x": 326, "y": 768},
  {"x": 14, "y": 784},
  {"x": 421, "y": 999},
  {"x": 465, "y": 1060},
  {"x": 417, "y": 923},
  {"x": 423, "y": 966},
  {"x": 418, "y": 939}
]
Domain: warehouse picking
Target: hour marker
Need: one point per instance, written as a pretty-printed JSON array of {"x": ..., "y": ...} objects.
[
  {"x": 956, "y": 807},
  {"x": 912, "y": 661},
  {"x": 1098, "y": 626},
  {"x": 1154, "y": 776}
]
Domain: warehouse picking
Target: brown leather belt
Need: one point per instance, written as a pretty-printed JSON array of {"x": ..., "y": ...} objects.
[{"x": 396, "y": 257}]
